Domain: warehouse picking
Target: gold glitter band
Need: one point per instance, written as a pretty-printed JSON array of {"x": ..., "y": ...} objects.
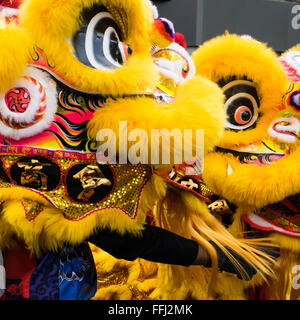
[
  {"x": 288, "y": 223},
  {"x": 179, "y": 178},
  {"x": 122, "y": 192},
  {"x": 32, "y": 209}
]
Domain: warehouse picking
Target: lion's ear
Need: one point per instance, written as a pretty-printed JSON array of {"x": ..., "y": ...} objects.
[
  {"x": 14, "y": 54},
  {"x": 290, "y": 61}
]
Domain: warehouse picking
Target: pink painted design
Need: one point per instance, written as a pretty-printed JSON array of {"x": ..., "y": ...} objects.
[
  {"x": 47, "y": 138},
  {"x": 17, "y": 99}
]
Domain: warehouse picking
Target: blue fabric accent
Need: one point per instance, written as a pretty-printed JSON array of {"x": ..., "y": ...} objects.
[
  {"x": 77, "y": 273},
  {"x": 44, "y": 280}
]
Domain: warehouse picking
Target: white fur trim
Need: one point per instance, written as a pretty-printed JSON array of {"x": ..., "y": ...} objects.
[
  {"x": 247, "y": 37},
  {"x": 45, "y": 122},
  {"x": 8, "y": 12},
  {"x": 284, "y": 135},
  {"x": 293, "y": 59},
  {"x": 155, "y": 11}
]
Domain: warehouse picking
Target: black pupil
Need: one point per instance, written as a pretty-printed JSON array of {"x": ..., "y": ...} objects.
[
  {"x": 245, "y": 115},
  {"x": 115, "y": 52}
]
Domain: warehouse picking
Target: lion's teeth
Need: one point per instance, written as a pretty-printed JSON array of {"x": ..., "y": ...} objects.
[{"x": 229, "y": 170}]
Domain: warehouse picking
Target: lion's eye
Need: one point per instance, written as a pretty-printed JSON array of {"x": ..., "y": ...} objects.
[
  {"x": 98, "y": 44},
  {"x": 242, "y": 104}
]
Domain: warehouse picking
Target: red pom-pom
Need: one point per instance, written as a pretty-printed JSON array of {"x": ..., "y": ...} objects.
[
  {"x": 179, "y": 38},
  {"x": 11, "y": 3}
]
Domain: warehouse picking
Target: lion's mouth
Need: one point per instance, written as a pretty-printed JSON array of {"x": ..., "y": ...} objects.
[
  {"x": 282, "y": 217},
  {"x": 249, "y": 157}
]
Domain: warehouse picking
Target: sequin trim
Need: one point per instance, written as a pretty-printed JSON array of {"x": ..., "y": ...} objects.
[{"x": 127, "y": 183}]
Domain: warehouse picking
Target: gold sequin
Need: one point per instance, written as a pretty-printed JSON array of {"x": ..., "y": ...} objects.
[
  {"x": 129, "y": 182},
  {"x": 282, "y": 221},
  {"x": 204, "y": 190},
  {"x": 32, "y": 209}
]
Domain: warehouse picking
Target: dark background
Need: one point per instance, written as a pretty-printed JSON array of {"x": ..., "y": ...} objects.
[{"x": 275, "y": 22}]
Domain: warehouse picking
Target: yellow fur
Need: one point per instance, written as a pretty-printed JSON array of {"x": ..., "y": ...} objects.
[
  {"x": 50, "y": 229},
  {"x": 51, "y": 23},
  {"x": 119, "y": 276},
  {"x": 270, "y": 184},
  {"x": 15, "y": 52},
  {"x": 184, "y": 113}
]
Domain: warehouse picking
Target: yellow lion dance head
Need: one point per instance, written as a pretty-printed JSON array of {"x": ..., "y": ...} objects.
[{"x": 255, "y": 166}]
